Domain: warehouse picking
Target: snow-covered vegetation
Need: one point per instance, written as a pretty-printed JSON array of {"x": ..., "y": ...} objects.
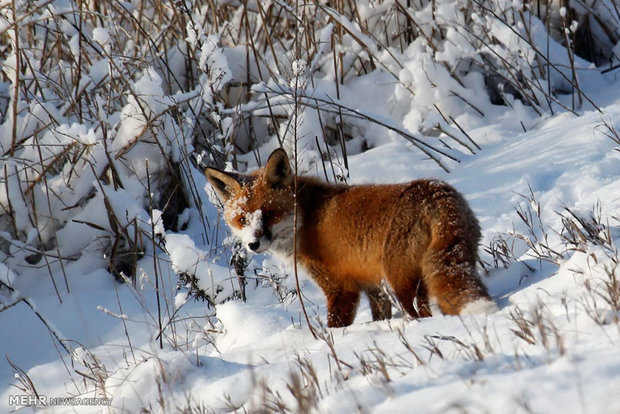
[{"x": 121, "y": 287}]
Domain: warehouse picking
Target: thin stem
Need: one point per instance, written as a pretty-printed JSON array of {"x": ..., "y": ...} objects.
[
  {"x": 295, "y": 188},
  {"x": 155, "y": 266}
]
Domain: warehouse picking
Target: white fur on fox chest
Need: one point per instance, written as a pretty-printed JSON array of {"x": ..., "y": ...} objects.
[{"x": 282, "y": 239}]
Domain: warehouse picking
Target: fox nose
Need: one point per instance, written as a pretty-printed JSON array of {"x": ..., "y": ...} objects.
[{"x": 254, "y": 245}]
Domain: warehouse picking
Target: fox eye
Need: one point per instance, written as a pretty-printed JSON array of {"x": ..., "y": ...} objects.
[{"x": 243, "y": 221}]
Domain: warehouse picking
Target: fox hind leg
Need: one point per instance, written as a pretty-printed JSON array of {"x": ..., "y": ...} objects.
[
  {"x": 409, "y": 288},
  {"x": 380, "y": 304}
]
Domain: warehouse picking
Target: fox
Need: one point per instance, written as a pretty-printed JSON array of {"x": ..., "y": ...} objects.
[{"x": 421, "y": 237}]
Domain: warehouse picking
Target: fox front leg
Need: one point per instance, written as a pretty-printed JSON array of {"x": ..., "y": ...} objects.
[{"x": 341, "y": 307}]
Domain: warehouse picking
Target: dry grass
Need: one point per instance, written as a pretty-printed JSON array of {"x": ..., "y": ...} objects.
[{"x": 78, "y": 89}]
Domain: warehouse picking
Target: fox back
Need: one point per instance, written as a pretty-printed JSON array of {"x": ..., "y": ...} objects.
[{"x": 421, "y": 237}]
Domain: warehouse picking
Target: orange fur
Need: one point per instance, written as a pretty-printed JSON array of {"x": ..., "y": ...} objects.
[{"x": 420, "y": 236}]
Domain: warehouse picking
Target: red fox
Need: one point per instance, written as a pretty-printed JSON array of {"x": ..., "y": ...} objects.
[{"x": 420, "y": 236}]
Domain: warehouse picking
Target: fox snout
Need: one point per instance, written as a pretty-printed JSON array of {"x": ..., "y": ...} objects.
[
  {"x": 254, "y": 245},
  {"x": 255, "y": 234},
  {"x": 260, "y": 242}
]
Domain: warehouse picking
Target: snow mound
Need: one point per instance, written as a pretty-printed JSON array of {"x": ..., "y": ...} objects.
[{"x": 246, "y": 325}]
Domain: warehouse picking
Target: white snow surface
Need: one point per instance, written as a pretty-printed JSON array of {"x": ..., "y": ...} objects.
[{"x": 475, "y": 363}]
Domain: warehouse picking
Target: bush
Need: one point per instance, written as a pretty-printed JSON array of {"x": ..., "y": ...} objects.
[{"x": 111, "y": 100}]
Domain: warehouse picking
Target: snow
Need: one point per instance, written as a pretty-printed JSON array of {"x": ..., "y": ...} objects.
[
  {"x": 260, "y": 343},
  {"x": 185, "y": 257},
  {"x": 214, "y": 62},
  {"x": 544, "y": 184},
  {"x": 101, "y": 35}
]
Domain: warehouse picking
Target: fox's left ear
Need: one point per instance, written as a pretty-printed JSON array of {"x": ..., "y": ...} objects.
[
  {"x": 226, "y": 184},
  {"x": 278, "y": 169}
]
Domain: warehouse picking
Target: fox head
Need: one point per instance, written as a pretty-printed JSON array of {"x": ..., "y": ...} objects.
[{"x": 258, "y": 207}]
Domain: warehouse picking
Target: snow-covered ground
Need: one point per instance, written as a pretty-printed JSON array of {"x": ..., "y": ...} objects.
[
  {"x": 545, "y": 187},
  {"x": 552, "y": 347}
]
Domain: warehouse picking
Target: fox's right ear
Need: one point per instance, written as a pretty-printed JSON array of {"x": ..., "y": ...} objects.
[
  {"x": 225, "y": 184},
  {"x": 278, "y": 170}
]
